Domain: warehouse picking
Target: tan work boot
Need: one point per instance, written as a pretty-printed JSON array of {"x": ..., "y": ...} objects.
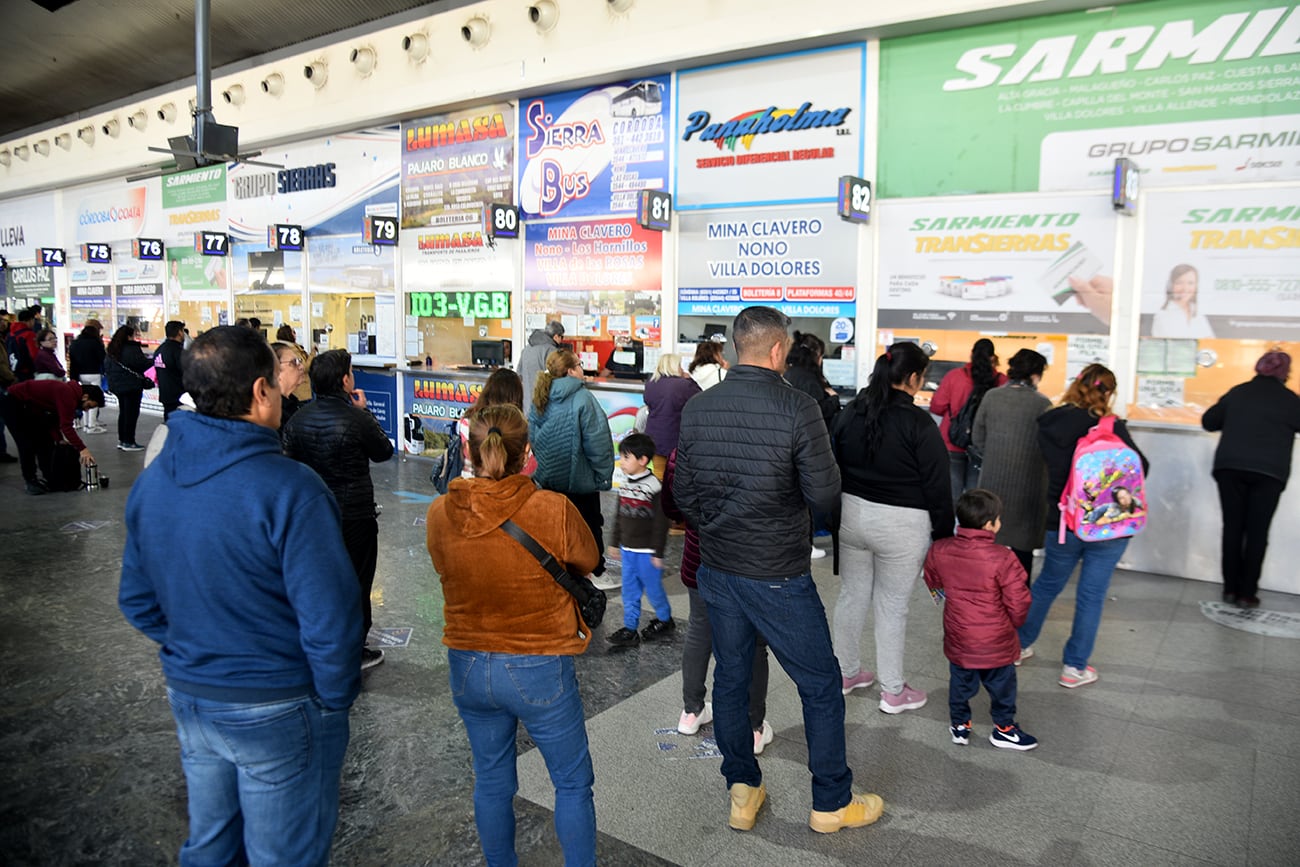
[
  {"x": 745, "y": 801},
  {"x": 860, "y": 810}
]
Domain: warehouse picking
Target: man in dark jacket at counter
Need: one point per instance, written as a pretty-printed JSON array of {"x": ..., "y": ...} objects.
[
  {"x": 255, "y": 610},
  {"x": 168, "y": 362},
  {"x": 338, "y": 438},
  {"x": 532, "y": 361},
  {"x": 753, "y": 458}
]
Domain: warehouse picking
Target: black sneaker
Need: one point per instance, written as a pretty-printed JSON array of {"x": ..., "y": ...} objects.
[
  {"x": 130, "y": 447},
  {"x": 624, "y": 638},
  {"x": 658, "y": 628},
  {"x": 370, "y": 657},
  {"x": 36, "y": 489}
]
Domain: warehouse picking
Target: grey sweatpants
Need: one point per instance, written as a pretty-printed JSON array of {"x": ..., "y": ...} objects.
[{"x": 882, "y": 549}]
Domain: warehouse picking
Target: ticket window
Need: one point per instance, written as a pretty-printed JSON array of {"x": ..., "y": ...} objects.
[
  {"x": 199, "y": 316},
  {"x": 148, "y": 318},
  {"x": 1179, "y": 379},
  {"x": 271, "y": 311},
  {"x": 839, "y": 361},
  {"x": 80, "y": 315},
  {"x": 345, "y": 321},
  {"x": 437, "y": 332}
]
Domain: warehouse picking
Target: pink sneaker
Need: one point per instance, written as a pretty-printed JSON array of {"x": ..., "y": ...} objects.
[
  {"x": 690, "y": 723},
  {"x": 1072, "y": 678},
  {"x": 860, "y": 680},
  {"x": 908, "y": 699},
  {"x": 762, "y": 737}
]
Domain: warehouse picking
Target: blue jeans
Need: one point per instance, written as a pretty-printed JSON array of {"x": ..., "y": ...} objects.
[
  {"x": 789, "y": 614},
  {"x": 1099, "y": 561},
  {"x": 494, "y": 692},
  {"x": 639, "y": 574},
  {"x": 263, "y": 779}
]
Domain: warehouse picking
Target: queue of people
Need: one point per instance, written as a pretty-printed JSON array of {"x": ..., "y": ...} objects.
[{"x": 291, "y": 636}]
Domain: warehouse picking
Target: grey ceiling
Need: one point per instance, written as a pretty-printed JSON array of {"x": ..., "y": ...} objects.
[{"x": 92, "y": 52}]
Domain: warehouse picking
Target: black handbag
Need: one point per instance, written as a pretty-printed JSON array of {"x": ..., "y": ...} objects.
[{"x": 591, "y": 599}]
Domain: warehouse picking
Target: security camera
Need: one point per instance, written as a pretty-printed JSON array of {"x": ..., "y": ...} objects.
[
  {"x": 137, "y": 120},
  {"x": 63, "y": 140},
  {"x": 363, "y": 60},
  {"x": 316, "y": 72},
  {"x": 167, "y": 112},
  {"x": 111, "y": 129},
  {"x": 42, "y": 147},
  {"x": 544, "y": 15},
  {"x": 416, "y": 46},
  {"x": 233, "y": 95},
  {"x": 620, "y": 5},
  {"x": 87, "y": 134},
  {"x": 273, "y": 85},
  {"x": 476, "y": 31}
]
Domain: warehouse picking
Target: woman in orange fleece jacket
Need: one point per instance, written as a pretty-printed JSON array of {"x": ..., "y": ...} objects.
[{"x": 513, "y": 632}]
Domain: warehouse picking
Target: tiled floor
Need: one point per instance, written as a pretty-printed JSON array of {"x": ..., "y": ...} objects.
[{"x": 1185, "y": 752}]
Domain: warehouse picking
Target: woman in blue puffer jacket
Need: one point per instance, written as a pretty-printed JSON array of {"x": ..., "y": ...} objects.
[{"x": 570, "y": 438}]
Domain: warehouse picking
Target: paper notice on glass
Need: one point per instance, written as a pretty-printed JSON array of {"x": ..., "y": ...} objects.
[
  {"x": 318, "y": 309},
  {"x": 1084, "y": 349},
  {"x": 649, "y": 359},
  {"x": 534, "y": 321},
  {"x": 1151, "y": 355},
  {"x": 589, "y": 360},
  {"x": 295, "y": 312},
  {"x": 1160, "y": 392},
  {"x": 569, "y": 321}
]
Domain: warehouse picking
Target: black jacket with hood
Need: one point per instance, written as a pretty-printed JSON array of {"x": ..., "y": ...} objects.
[{"x": 338, "y": 441}]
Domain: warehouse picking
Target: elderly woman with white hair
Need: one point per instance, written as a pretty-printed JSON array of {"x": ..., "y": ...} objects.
[{"x": 665, "y": 395}]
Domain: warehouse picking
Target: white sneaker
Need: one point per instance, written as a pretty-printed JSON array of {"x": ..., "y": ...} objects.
[
  {"x": 1025, "y": 653},
  {"x": 95, "y": 429},
  {"x": 818, "y": 553},
  {"x": 690, "y": 723},
  {"x": 608, "y": 581},
  {"x": 762, "y": 738}
]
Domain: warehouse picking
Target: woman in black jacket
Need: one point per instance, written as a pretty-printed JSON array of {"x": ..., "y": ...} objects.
[
  {"x": 125, "y": 366},
  {"x": 896, "y": 499},
  {"x": 86, "y": 365},
  {"x": 1087, "y": 400},
  {"x": 803, "y": 370},
  {"x": 1259, "y": 420}
]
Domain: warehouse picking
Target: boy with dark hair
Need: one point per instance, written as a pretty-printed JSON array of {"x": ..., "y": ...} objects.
[
  {"x": 167, "y": 360},
  {"x": 640, "y": 533},
  {"x": 982, "y": 585}
]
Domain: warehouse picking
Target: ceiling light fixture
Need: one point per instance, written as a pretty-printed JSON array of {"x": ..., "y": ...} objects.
[
  {"x": 363, "y": 60},
  {"x": 416, "y": 46},
  {"x": 137, "y": 120},
  {"x": 233, "y": 95},
  {"x": 111, "y": 129},
  {"x": 620, "y": 5},
  {"x": 63, "y": 140},
  {"x": 5, "y": 159},
  {"x": 167, "y": 112},
  {"x": 42, "y": 147},
  {"x": 22, "y": 153},
  {"x": 544, "y": 14},
  {"x": 316, "y": 72},
  {"x": 273, "y": 84},
  {"x": 87, "y": 134},
  {"x": 477, "y": 31}
]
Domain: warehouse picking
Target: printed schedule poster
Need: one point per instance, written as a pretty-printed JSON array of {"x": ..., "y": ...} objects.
[
  {"x": 1194, "y": 91},
  {"x": 454, "y": 163},
  {"x": 587, "y": 153},
  {"x": 1222, "y": 264},
  {"x": 802, "y": 261},
  {"x": 775, "y": 131},
  {"x": 994, "y": 264}
]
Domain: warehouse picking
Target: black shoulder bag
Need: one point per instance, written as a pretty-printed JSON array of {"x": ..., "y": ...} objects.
[{"x": 591, "y": 599}]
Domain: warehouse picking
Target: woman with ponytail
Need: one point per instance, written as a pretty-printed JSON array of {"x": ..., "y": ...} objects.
[
  {"x": 1088, "y": 399},
  {"x": 512, "y": 633},
  {"x": 896, "y": 499},
  {"x": 572, "y": 444},
  {"x": 972, "y": 379}
]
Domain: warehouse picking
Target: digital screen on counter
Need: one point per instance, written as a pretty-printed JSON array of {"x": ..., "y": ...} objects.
[{"x": 483, "y": 304}]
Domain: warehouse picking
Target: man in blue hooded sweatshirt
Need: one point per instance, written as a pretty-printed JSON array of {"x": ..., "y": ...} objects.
[{"x": 256, "y": 609}]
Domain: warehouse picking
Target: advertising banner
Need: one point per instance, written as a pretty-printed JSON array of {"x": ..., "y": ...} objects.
[
  {"x": 587, "y": 153},
  {"x": 990, "y": 264},
  {"x": 327, "y": 186},
  {"x": 774, "y": 131},
  {"x": 25, "y": 224},
  {"x": 381, "y": 398},
  {"x": 30, "y": 281},
  {"x": 139, "y": 294},
  {"x": 1222, "y": 264},
  {"x": 454, "y": 163},
  {"x": 193, "y": 201},
  {"x": 192, "y": 276},
  {"x": 799, "y": 260},
  {"x": 97, "y": 295},
  {"x": 1195, "y": 91},
  {"x": 111, "y": 211},
  {"x": 601, "y": 255}
]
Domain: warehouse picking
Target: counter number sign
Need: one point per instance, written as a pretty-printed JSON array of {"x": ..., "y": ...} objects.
[
  {"x": 147, "y": 249},
  {"x": 654, "y": 210},
  {"x": 501, "y": 221},
  {"x": 854, "y": 200},
  {"x": 96, "y": 254},
  {"x": 51, "y": 257},
  {"x": 285, "y": 236},
  {"x": 380, "y": 231},
  {"x": 212, "y": 243},
  {"x": 1124, "y": 190}
]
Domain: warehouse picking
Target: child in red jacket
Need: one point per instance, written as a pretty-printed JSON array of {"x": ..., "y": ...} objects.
[{"x": 985, "y": 600}]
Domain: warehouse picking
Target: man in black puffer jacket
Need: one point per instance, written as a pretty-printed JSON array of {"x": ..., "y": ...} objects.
[
  {"x": 753, "y": 458},
  {"x": 338, "y": 438}
]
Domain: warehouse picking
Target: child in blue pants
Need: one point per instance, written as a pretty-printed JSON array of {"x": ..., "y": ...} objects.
[{"x": 640, "y": 533}]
